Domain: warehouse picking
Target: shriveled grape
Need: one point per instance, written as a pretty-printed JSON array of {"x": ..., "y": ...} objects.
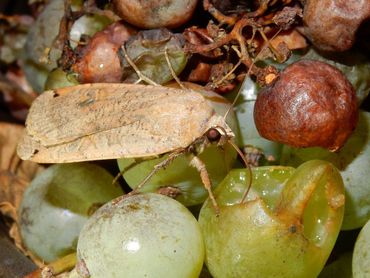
[
  {"x": 310, "y": 104},
  {"x": 331, "y": 25},
  {"x": 155, "y": 14},
  {"x": 99, "y": 61},
  {"x": 147, "y": 50}
]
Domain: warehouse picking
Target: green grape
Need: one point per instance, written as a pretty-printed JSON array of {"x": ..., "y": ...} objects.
[
  {"x": 87, "y": 24},
  {"x": 41, "y": 53},
  {"x": 147, "y": 51},
  {"x": 286, "y": 227},
  {"x": 179, "y": 174},
  {"x": 40, "y": 39},
  {"x": 58, "y": 202},
  {"x": 340, "y": 268},
  {"x": 354, "y": 164},
  {"x": 361, "y": 254},
  {"x": 142, "y": 235},
  {"x": 59, "y": 79}
]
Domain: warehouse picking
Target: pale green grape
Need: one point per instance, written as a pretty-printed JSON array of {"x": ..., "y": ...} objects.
[
  {"x": 361, "y": 254},
  {"x": 87, "y": 24},
  {"x": 340, "y": 268},
  {"x": 37, "y": 61},
  {"x": 179, "y": 174},
  {"x": 354, "y": 164},
  {"x": 59, "y": 79},
  {"x": 143, "y": 235},
  {"x": 41, "y": 52},
  {"x": 286, "y": 227},
  {"x": 58, "y": 202},
  {"x": 147, "y": 51}
]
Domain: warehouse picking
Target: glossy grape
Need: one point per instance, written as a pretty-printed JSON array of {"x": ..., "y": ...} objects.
[
  {"x": 143, "y": 235},
  {"x": 287, "y": 226},
  {"x": 38, "y": 62},
  {"x": 59, "y": 79},
  {"x": 58, "y": 202},
  {"x": 361, "y": 255},
  {"x": 88, "y": 25},
  {"x": 354, "y": 164},
  {"x": 155, "y": 14},
  {"x": 340, "y": 268}
]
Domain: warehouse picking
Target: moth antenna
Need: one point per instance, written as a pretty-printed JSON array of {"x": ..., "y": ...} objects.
[
  {"x": 117, "y": 177},
  {"x": 217, "y": 82},
  {"x": 141, "y": 76},
  {"x": 236, "y": 65},
  {"x": 246, "y": 166},
  {"x": 250, "y": 69},
  {"x": 268, "y": 43},
  {"x": 157, "y": 167},
  {"x": 172, "y": 71},
  {"x": 128, "y": 167}
]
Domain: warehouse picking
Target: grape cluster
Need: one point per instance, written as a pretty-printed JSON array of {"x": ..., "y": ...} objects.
[{"x": 297, "y": 122}]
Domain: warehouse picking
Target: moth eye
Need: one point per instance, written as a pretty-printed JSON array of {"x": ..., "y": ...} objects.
[
  {"x": 213, "y": 135},
  {"x": 55, "y": 94},
  {"x": 35, "y": 151}
]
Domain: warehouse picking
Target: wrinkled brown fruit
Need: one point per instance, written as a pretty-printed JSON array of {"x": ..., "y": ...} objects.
[
  {"x": 99, "y": 61},
  {"x": 331, "y": 25},
  {"x": 152, "y": 14},
  {"x": 310, "y": 104}
]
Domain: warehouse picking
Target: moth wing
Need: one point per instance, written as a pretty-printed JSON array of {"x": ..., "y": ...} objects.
[
  {"x": 87, "y": 123},
  {"x": 63, "y": 115}
]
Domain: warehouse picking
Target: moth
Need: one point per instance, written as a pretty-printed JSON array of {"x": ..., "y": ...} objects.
[{"x": 110, "y": 121}]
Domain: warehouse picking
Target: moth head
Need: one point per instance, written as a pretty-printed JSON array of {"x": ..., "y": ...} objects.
[
  {"x": 218, "y": 130},
  {"x": 219, "y": 135},
  {"x": 213, "y": 135}
]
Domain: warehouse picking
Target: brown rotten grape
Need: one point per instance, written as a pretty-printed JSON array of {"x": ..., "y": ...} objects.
[
  {"x": 331, "y": 25},
  {"x": 310, "y": 104},
  {"x": 99, "y": 61},
  {"x": 155, "y": 14}
]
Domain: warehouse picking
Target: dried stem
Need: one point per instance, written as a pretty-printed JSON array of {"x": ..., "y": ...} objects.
[
  {"x": 223, "y": 19},
  {"x": 59, "y": 266}
]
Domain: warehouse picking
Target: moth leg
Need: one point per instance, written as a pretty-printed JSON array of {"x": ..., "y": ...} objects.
[
  {"x": 133, "y": 164},
  {"x": 163, "y": 164},
  {"x": 201, "y": 167}
]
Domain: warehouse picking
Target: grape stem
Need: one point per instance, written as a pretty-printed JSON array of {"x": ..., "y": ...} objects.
[{"x": 56, "y": 267}]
